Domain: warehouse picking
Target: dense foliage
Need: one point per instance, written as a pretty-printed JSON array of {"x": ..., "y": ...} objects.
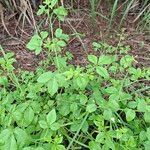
[
  {"x": 104, "y": 105},
  {"x": 97, "y": 107}
]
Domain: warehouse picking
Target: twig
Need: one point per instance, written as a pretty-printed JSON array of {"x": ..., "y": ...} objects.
[{"x": 2, "y": 19}]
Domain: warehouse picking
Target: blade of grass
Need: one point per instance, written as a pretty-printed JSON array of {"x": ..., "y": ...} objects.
[
  {"x": 113, "y": 12},
  {"x": 101, "y": 15},
  {"x": 126, "y": 12},
  {"x": 141, "y": 13},
  {"x": 93, "y": 14},
  {"x": 77, "y": 133}
]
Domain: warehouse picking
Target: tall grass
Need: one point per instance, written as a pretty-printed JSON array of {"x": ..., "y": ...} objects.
[
  {"x": 113, "y": 12},
  {"x": 139, "y": 8},
  {"x": 145, "y": 21}
]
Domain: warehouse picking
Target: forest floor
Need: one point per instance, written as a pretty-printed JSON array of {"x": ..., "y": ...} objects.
[{"x": 79, "y": 22}]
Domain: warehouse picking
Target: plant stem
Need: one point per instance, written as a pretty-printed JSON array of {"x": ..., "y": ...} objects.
[{"x": 73, "y": 139}]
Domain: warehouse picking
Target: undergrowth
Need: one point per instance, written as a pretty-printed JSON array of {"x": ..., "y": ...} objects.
[
  {"x": 104, "y": 105},
  {"x": 140, "y": 9}
]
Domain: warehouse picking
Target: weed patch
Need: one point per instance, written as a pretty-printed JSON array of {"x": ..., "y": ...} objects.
[
  {"x": 103, "y": 105},
  {"x": 95, "y": 107}
]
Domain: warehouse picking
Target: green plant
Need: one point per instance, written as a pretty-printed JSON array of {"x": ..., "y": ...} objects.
[
  {"x": 49, "y": 8},
  {"x": 96, "y": 107},
  {"x": 140, "y": 9},
  {"x": 104, "y": 105},
  {"x": 7, "y": 69},
  {"x": 52, "y": 10},
  {"x": 36, "y": 42},
  {"x": 58, "y": 42},
  {"x": 55, "y": 41}
]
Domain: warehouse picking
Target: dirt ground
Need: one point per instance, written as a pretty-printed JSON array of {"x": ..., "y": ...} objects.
[{"x": 79, "y": 22}]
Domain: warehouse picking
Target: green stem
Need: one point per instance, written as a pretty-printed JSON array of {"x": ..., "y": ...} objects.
[{"x": 77, "y": 133}]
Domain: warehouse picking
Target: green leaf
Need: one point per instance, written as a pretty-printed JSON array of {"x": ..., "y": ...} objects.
[
  {"x": 105, "y": 59},
  {"x": 85, "y": 127},
  {"x": 52, "y": 86},
  {"x": 55, "y": 126},
  {"x": 61, "y": 12},
  {"x": 107, "y": 114},
  {"x": 45, "y": 77},
  {"x": 58, "y": 33},
  {"x": 64, "y": 109},
  {"x": 47, "y": 2},
  {"x": 147, "y": 117},
  {"x": 110, "y": 143},
  {"x": 12, "y": 143},
  {"x": 4, "y": 138},
  {"x": 94, "y": 145},
  {"x": 113, "y": 104},
  {"x": 61, "y": 43},
  {"x": 146, "y": 145},
  {"x": 74, "y": 107},
  {"x": 38, "y": 50},
  {"x": 35, "y": 44},
  {"x": 27, "y": 148},
  {"x": 100, "y": 138},
  {"x": 43, "y": 124},
  {"x": 53, "y": 3},
  {"x": 51, "y": 117},
  {"x": 82, "y": 82},
  {"x": 61, "y": 79},
  {"x": 102, "y": 72},
  {"x": 3, "y": 80},
  {"x": 58, "y": 139},
  {"x": 91, "y": 108},
  {"x": 31, "y": 148},
  {"x": 96, "y": 46},
  {"x": 132, "y": 104},
  {"x": 65, "y": 37},
  {"x": 130, "y": 114},
  {"x": 21, "y": 137},
  {"x": 93, "y": 59},
  {"x": 111, "y": 90},
  {"x": 75, "y": 126},
  {"x": 44, "y": 34},
  {"x": 61, "y": 147},
  {"x": 41, "y": 10},
  {"x": 126, "y": 61},
  {"x": 39, "y": 148},
  {"x": 83, "y": 99},
  {"x": 148, "y": 133},
  {"x": 141, "y": 105},
  {"x": 18, "y": 114},
  {"x": 142, "y": 136},
  {"x": 7, "y": 140},
  {"x": 28, "y": 116}
]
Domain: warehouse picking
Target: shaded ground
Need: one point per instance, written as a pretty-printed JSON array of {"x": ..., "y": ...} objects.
[{"x": 81, "y": 23}]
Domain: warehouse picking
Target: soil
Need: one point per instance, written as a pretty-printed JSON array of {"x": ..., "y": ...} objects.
[{"x": 82, "y": 23}]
